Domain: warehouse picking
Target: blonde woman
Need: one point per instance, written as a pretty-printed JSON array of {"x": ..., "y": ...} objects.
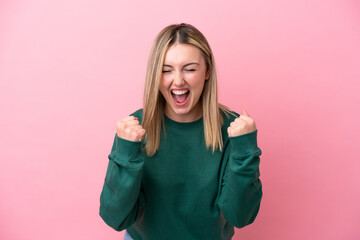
[{"x": 184, "y": 166}]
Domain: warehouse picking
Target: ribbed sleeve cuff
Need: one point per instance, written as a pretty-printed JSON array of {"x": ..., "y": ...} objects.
[
  {"x": 126, "y": 152},
  {"x": 244, "y": 144},
  {"x": 128, "y": 149}
]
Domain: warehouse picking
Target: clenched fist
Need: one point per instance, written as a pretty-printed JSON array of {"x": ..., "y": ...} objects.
[
  {"x": 241, "y": 125},
  {"x": 130, "y": 129}
]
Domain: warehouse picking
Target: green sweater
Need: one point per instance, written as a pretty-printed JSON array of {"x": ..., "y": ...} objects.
[{"x": 184, "y": 191}]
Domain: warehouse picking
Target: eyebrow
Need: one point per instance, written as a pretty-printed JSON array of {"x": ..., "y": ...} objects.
[{"x": 188, "y": 64}]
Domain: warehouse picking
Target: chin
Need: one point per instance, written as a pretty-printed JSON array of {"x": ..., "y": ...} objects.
[{"x": 179, "y": 111}]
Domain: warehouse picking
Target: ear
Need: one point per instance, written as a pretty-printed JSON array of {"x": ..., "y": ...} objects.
[{"x": 208, "y": 73}]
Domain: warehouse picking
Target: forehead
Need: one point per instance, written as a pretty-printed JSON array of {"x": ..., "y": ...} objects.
[{"x": 180, "y": 53}]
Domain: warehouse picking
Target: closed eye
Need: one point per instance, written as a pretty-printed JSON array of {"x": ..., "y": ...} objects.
[{"x": 190, "y": 70}]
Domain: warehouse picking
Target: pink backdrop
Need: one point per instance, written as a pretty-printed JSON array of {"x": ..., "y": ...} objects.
[{"x": 69, "y": 69}]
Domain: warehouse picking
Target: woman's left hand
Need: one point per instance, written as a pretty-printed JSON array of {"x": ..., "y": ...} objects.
[{"x": 241, "y": 125}]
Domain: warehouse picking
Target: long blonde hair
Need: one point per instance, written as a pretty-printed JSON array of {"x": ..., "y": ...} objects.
[{"x": 154, "y": 102}]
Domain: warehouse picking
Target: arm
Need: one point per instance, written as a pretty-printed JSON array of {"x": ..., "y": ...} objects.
[
  {"x": 241, "y": 191},
  {"x": 121, "y": 200}
]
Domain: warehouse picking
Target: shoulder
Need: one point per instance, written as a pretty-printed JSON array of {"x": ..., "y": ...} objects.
[
  {"x": 138, "y": 114},
  {"x": 228, "y": 117}
]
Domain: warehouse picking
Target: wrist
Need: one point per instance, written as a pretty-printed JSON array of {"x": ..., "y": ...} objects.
[{"x": 244, "y": 144}]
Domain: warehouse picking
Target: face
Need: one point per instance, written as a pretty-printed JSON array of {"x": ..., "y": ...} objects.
[{"x": 182, "y": 82}]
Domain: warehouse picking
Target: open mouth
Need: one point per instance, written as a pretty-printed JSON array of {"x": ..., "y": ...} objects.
[{"x": 180, "y": 97}]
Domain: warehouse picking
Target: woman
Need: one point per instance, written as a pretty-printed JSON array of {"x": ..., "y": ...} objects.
[{"x": 184, "y": 166}]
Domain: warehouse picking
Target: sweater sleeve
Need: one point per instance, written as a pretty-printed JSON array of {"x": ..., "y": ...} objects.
[
  {"x": 121, "y": 200},
  {"x": 241, "y": 189}
]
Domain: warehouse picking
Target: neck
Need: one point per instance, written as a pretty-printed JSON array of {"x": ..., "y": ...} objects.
[{"x": 192, "y": 116}]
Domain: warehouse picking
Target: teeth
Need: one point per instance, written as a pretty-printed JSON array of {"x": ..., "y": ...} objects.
[{"x": 179, "y": 92}]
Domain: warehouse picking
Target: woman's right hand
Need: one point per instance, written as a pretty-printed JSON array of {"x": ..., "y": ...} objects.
[{"x": 130, "y": 129}]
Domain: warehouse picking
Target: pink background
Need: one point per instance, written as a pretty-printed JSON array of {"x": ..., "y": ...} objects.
[{"x": 69, "y": 69}]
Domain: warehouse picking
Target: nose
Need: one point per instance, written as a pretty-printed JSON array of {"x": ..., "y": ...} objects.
[{"x": 179, "y": 79}]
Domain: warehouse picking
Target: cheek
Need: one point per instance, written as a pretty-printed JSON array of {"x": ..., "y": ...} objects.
[
  {"x": 164, "y": 85},
  {"x": 196, "y": 80},
  {"x": 165, "y": 80}
]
